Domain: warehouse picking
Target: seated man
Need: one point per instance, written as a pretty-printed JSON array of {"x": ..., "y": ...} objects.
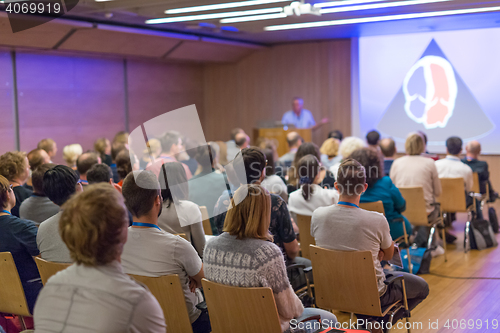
[
  {"x": 473, "y": 150},
  {"x": 59, "y": 184},
  {"x": 294, "y": 141},
  {"x": 84, "y": 163},
  {"x": 388, "y": 148},
  {"x": 346, "y": 227},
  {"x": 150, "y": 251}
]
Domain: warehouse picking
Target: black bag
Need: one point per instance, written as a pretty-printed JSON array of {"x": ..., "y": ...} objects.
[
  {"x": 481, "y": 235},
  {"x": 492, "y": 216}
]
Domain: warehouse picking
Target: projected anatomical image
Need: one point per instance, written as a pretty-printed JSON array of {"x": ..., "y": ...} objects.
[{"x": 429, "y": 93}]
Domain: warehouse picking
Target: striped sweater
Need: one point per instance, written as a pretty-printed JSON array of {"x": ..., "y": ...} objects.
[{"x": 252, "y": 263}]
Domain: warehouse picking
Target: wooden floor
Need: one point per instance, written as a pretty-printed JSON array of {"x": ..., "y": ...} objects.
[{"x": 477, "y": 300}]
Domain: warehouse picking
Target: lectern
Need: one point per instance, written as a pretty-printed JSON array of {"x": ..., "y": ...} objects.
[{"x": 278, "y": 134}]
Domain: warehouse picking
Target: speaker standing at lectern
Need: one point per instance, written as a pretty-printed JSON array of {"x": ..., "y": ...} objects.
[{"x": 300, "y": 117}]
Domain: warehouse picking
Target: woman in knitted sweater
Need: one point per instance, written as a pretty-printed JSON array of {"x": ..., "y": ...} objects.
[{"x": 245, "y": 256}]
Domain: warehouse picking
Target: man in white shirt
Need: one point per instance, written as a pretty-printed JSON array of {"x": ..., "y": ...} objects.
[
  {"x": 150, "y": 251},
  {"x": 452, "y": 166},
  {"x": 346, "y": 227}
]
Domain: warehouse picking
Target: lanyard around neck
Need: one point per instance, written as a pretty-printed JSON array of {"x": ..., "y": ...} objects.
[
  {"x": 149, "y": 225},
  {"x": 6, "y": 212},
  {"x": 345, "y": 203}
]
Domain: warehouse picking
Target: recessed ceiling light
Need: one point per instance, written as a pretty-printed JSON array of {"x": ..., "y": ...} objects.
[
  {"x": 380, "y": 18},
  {"x": 378, "y": 6},
  {"x": 253, "y": 18},
  {"x": 213, "y": 16},
  {"x": 221, "y": 6}
]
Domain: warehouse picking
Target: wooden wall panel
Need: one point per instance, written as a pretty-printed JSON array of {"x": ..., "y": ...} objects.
[
  {"x": 262, "y": 85},
  {"x": 69, "y": 99},
  {"x": 7, "y": 133}
]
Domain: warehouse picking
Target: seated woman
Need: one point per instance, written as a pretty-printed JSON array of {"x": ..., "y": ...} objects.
[
  {"x": 179, "y": 215},
  {"x": 246, "y": 235},
  {"x": 273, "y": 183},
  {"x": 330, "y": 152},
  {"x": 18, "y": 237},
  {"x": 381, "y": 188},
  {"x": 15, "y": 167},
  {"x": 310, "y": 195},
  {"x": 94, "y": 295}
]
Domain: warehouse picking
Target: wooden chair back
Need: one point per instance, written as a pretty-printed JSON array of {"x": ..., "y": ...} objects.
[
  {"x": 168, "y": 291},
  {"x": 415, "y": 211},
  {"x": 242, "y": 310},
  {"x": 345, "y": 281},
  {"x": 475, "y": 184},
  {"x": 376, "y": 206},
  {"x": 48, "y": 268},
  {"x": 452, "y": 197},
  {"x": 304, "y": 224},
  {"x": 207, "y": 227},
  {"x": 12, "y": 297}
]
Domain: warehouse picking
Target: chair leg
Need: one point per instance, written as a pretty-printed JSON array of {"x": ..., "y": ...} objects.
[
  {"x": 407, "y": 244},
  {"x": 407, "y": 320},
  {"x": 443, "y": 234},
  {"x": 23, "y": 324}
]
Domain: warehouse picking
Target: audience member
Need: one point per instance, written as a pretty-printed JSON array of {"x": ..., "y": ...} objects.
[
  {"x": 124, "y": 164},
  {"x": 150, "y": 251},
  {"x": 59, "y": 184},
  {"x": 346, "y": 227},
  {"x": 416, "y": 170},
  {"x": 330, "y": 152},
  {"x": 388, "y": 148},
  {"x": 294, "y": 141},
  {"x": 180, "y": 216},
  {"x": 71, "y": 153},
  {"x": 246, "y": 235},
  {"x": 49, "y": 146},
  {"x": 38, "y": 206},
  {"x": 152, "y": 152},
  {"x": 426, "y": 153},
  {"x": 305, "y": 149},
  {"x": 18, "y": 236},
  {"x": 473, "y": 149},
  {"x": 381, "y": 188},
  {"x": 336, "y": 135},
  {"x": 188, "y": 154},
  {"x": 103, "y": 147},
  {"x": 242, "y": 140},
  {"x": 347, "y": 146},
  {"x": 100, "y": 173},
  {"x": 281, "y": 227},
  {"x": 273, "y": 183},
  {"x": 116, "y": 148},
  {"x": 15, "y": 167},
  {"x": 94, "y": 294},
  {"x": 171, "y": 143},
  {"x": 310, "y": 195},
  {"x": 36, "y": 157},
  {"x": 232, "y": 148},
  {"x": 452, "y": 166},
  {"x": 121, "y": 138},
  {"x": 216, "y": 156},
  {"x": 372, "y": 139},
  {"x": 84, "y": 163}
]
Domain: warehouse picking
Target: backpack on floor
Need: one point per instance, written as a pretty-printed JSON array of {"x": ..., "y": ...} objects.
[
  {"x": 481, "y": 235},
  {"x": 420, "y": 260},
  {"x": 492, "y": 216}
]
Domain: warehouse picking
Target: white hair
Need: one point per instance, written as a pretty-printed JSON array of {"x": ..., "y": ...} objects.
[
  {"x": 71, "y": 152},
  {"x": 349, "y": 145}
]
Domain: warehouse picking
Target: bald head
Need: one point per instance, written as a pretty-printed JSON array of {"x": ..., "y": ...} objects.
[
  {"x": 473, "y": 149},
  {"x": 388, "y": 147},
  {"x": 294, "y": 140},
  {"x": 242, "y": 140}
]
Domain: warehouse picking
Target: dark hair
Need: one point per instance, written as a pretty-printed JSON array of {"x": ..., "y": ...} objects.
[
  {"x": 140, "y": 190},
  {"x": 370, "y": 160},
  {"x": 173, "y": 174},
  {"x": 388, "y": 149},
  {"x": 454, "y": 145},
  {"x": 59, "y": 183},
  {"x": 255, "y": 162},
  {"x": 351, "y": 175},
  {"x": 311, "y": 166},
  {"x": 270, "y": 162},
  {"x": 241, "y": 141},
  {"x": 168, "y": 139},
  {"x": 205, "y": 156},
  {"x": 307, "y": 148},
  {"x": 336, "y": 135},
  {"x": 86, "y": 161},
  {"x": 99, "y": 173},
  {"x": 235, "y": 131},
  {"x": 116, "y": 148},
  {"x": 373, "y": 137},
  {"x": 35, "y": 158},
  {"x": 37, "y": 178},
  {"x": 123, "y": 163}
]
